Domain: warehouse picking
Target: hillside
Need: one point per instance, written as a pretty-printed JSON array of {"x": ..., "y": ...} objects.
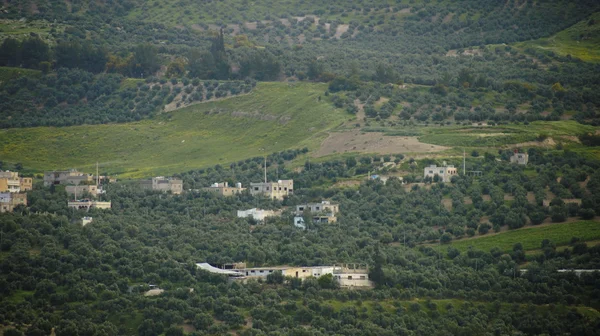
[
  {"x": 531, "y": 237},
  {"x": 274, "y": 116},
  {"x": 581, "y": 41}
]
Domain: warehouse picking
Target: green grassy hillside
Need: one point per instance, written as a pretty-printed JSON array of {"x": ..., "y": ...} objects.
[
  {"x": 581, "y": 40},
  {"x": 532, "y": 237},
  {"x": 275, "y": 116}
]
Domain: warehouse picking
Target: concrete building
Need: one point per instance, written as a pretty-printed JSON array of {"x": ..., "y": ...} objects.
[
  {"x": 163, "y": 184},
  {"x": 275, "y": 190},
  {"x": 86, "y": 204},
  {"x": 10, "y": 200},
  {"x": 324, "y": 212},
  {"x": 519, "y": 158},
  {"x": 347, "y": 275},
  {"x": 352, "y": 275},
  {"x": 80, "y": 190},
  {"x": 445, "y": 173},
  {"x": 11, "y": 182},
  {"x": 68, "y": 177},
  {"x": 224, "y": 189},
  {"x": 258, "y": 214}
]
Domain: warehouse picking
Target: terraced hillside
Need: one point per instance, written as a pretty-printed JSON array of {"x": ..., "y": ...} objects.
[{"x": 274, "y": 117}]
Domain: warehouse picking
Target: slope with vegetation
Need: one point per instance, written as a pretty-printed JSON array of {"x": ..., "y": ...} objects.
[
  {"x": 93, "y": 277},
  {"x": 272, "y": 117}
]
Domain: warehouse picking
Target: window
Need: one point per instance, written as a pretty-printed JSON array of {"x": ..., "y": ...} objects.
[
  {"x": 261, "y": 271},
  {"x": 349, "y": 277},
  {"x": 285, "y": 188},
  {"x": 362, "y": 277},
  {"x": 256, "y": 188},
  {"x": 317, "y": 208},
  {"x": 300, "y": 208},
  {"x": 431, "y": 172}
]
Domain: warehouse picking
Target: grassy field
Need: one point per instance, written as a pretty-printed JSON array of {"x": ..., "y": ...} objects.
[
  {"x": 495, "y": 136},
  {"x": 581, "y": 40},
  {"x": 275, "y": 116},
  {"x": 531, "y": 237}
]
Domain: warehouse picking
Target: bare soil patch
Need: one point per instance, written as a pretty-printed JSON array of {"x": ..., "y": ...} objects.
[
  {"x": 373, "y": 142},
  {"x": 250, "y": 25},
  {"x": 341, "y": 29}
]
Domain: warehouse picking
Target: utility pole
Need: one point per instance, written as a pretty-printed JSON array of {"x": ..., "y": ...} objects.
[
  {"x": 97, "y": 175},
  {"x": 265, "y": 168}
]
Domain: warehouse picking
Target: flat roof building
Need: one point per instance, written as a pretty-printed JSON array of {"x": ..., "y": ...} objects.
[
  {"x": 87, "y": 204},
  {"x": 11, "y": 182},
  {"x": 323, "y": 212},
  {"x": 72, "y": 177},
  {"x": 224, "y": 189},
  {"x": 9, "y": 201},
  {"x": 274, "y": 190},
  {"x": 163, "y": 184},
  {"x": 445, "y": 173}
]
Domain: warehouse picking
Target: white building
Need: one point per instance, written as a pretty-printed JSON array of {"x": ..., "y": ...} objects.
[
  {"x": 258, "y": 214},
  {"x": 86, "y": 220},
  {"x": 299, "y": 222},
  {"x": 520, "y": 158},
  {"x": 445, "y": 173},
  {"x": 275, "y": 190}
]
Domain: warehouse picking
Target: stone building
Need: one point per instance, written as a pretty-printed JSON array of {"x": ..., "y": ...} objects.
[
  {"x": 163, "y": 184},
  {"x": 275, "y": 190}
]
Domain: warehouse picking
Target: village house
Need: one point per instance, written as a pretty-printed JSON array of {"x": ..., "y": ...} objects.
[
  {"x": 274, "y": 190},
  {"x": 519, "y": 158},
  {"x": 67, "y": 177},
  {"x": 347, "y": 275},
  {"x": 80, "y": 190},
  {"x": 258, "y": 214},
  {"x": 445, "y": 173},
  {"x": 224, "y": 189},
  {"x": 9, "y": 201},
  {"x": 87, "y": 204},
  {"x": 163, "y": 184},
  {"x": 11, "y": 182},
  {"x": 323, "y": 212}
]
